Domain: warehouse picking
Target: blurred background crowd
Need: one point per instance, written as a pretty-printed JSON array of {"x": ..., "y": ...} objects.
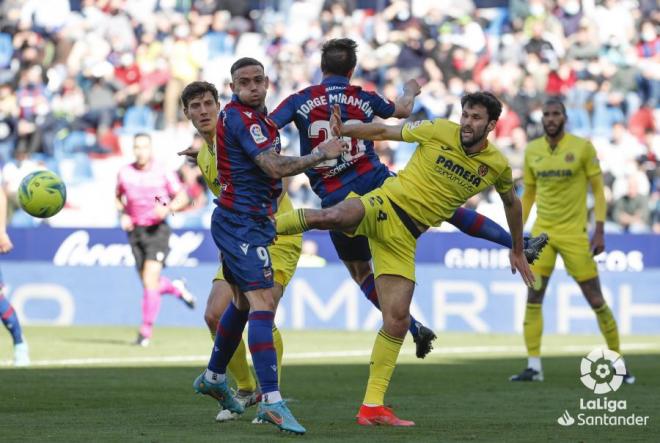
[{"x": 79, "y": 78}]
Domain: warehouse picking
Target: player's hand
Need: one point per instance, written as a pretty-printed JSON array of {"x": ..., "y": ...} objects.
[
  {"x": 126, "y": 223},
  {"x": 333, "y": 148},
  {"x": 597, "y": 243},
  {"x": 519, "y": 263},
  {"x": 336, "y": 124},
  {"x": 411, "y": 87},
  {"x": 190, "y": 152},
  {"x": 162, "y": 211},
  {"x": 5, "y": 243}
]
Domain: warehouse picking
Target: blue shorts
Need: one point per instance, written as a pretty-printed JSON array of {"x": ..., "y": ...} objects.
[{"x": 243, "y": 241}]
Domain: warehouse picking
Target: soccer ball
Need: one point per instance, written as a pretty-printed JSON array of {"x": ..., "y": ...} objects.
[{"x": 42, "y": 194}]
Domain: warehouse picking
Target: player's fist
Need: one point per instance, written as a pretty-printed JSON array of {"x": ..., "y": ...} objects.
[
  {"x": 336, "y": 124},
  {"x": 191, "y": 152},
  {"x": 333, "y": 148},
  {"x": 126, "y": 223},
  {"x": 411, "y": 87}
]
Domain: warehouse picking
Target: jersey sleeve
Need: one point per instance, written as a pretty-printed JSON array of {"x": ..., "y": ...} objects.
[
  {"x": 420, "y": 131},
  {"x": 250, "y": 135},
  {"x": 591, "y": 163},
  {"x": 504, "y": 182},
  {"x": 285, "y": 112},
  {"x": 383, "y": 107}
]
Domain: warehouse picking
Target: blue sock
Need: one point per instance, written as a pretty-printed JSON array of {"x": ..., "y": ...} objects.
[
  {"x": 368, "y": 288},
  {"x": 10, "y": 320},
  {"x": 227, "y": 337},
  {"x": 476, "y": 225},
  {"x": 264, "y": 357}
]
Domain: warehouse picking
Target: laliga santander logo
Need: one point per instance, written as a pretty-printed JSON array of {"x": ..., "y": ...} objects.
[{"x": 602, "y": 371}]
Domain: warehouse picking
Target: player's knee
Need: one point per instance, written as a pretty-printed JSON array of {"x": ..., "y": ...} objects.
[
  {"x": 534, "y": 297},
  {"x": 211, "y": 320},
  {"x": 397, "y": 322}
]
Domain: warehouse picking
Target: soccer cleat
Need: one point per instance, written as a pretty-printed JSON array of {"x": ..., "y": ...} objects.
[
  {"x": 528, "y": 374},
  {"x": 219, "y": 391},
  {"x": 247, "y": 398},
  {"x": 186, "y": 295},
  {"x": 21, "y": 355},
  {"x": 629, "y": 379},
  {"x": 423, "y": 341},
  {"x": 279, "y": 415},
  {"x": 534, "y": 246},
  {"x": 380, "y": 415},
  {"x": 141, "y": 340}
]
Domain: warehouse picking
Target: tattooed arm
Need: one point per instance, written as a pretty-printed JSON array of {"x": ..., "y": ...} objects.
[{"x": 278, "y": 166}]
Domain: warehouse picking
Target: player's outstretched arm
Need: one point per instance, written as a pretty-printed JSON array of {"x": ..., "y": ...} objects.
[
  {"x": 513, "y": 210},
  {"x": 278, "y": 166},
  {"x": 364, "y": 131},
  {"x": 403, "y": 105}
]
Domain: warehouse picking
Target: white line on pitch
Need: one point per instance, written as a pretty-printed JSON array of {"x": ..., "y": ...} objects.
[{"x": 455, "y": 350}]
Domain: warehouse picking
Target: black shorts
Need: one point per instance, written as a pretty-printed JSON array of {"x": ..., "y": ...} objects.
[
  {"x": 351, "y": 248},
  {"x": 150, "y": 243}
]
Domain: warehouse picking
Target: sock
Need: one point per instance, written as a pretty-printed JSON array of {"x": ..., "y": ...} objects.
[
  {"x": 533, "y": 329},
  {"x": 534, "y": 363},
  {"x": 165, "y": 286},
  {"x": 478, "y": 225},
  {"x": 227, "y": 337},
  {"x": 150, "y": 308},
  {"x": 279, "y": 349},
  {"x": 264, "y": 357},
  {"x": 239, "y": 369},
  {"x": 383, "y": 360},
  {"x": 292, "y": 222},
  {"x": 10, "y": 320},
  {"x": 608, "y": 328},
  {"x": 214, "y": 377},
  {"x": 368, "y": 288}
]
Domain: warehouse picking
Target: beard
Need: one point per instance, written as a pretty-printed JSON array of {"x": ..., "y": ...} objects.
[
  {"x": 476, "y": 138},
  {"x": 556, "y": 131}
]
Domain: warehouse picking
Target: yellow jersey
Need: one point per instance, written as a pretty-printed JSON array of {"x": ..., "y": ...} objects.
[
  {"x": 561, "y": 177},
  {"x": 440, "y": 176},
  {"x": 206, "y": 160}
]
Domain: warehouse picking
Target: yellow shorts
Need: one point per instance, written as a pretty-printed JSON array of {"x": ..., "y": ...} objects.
[
  {"x": 284, "y": 254},
  {"x": 574, "y": 250},
  {"x": 391, "y": 243}
]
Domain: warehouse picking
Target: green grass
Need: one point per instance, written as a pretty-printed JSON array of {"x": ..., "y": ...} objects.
[{"x": 110, "y": 391}]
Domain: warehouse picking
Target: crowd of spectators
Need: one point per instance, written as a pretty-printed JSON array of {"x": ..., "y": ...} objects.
[{"x": 78, "y": 78}]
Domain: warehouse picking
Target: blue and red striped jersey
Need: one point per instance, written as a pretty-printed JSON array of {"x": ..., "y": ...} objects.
[
  {"x": 359, "y": 170},
  {"x": 243, "y": 133}
]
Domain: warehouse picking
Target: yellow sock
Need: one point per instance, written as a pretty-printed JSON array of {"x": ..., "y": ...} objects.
[
  {"x": 607, "y": 325},
  {"x": 279, "y": 349},
  {"x": 383, "y": 360},
  {"x": 533, "y": 329},
  {"x": 239, "y": 369},
  {"x": 292, "y": 222}
]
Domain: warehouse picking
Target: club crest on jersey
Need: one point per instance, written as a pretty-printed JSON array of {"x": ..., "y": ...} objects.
[
  {"x": 268, "y": 273},
  {"x": 483, "y": 170},
  {"x": 257, "y": 135},
  {"x": 570, "y": 158}
]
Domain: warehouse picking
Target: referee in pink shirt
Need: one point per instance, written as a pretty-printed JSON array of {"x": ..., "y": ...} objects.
[{"x": 146, "y": 194}]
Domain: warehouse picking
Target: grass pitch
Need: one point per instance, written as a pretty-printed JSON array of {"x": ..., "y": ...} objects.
[{"x": 87, "y": 384}]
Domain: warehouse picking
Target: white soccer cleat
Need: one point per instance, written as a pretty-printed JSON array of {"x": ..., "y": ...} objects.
[
  {"x": 186, "y": 295},
  {"x": 21, "y": 355}
]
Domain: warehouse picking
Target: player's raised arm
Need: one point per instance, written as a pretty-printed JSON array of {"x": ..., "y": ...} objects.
[
  {"x": 278, "y": 166},
  {"x": 403, "y": 105},
  {"x": 513, "y": 211},
  {"x": 364, "y": 131}
]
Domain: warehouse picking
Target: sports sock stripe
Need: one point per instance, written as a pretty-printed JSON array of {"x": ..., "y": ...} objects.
[{"x": 390, "y": 338}]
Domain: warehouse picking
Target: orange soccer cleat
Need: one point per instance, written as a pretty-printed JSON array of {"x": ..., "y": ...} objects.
[{"x": 380, "y": 415}]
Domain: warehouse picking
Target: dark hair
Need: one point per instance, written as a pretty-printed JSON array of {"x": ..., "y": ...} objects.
[
  {"x": 196, "y": 89},
  {"x": 485, "y": 99},
  {"x": 243, "y": 62},
  {"x": 555, "y": 101},
  {"x": 338, "y": 56},
  {"x": 142, "y": 134}
]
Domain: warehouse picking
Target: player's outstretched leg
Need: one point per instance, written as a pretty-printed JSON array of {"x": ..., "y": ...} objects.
[
  {"x": 177, "y": 288},
  {"x": 534, "y": 246},
  {"x": 422, "y": 336}
]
